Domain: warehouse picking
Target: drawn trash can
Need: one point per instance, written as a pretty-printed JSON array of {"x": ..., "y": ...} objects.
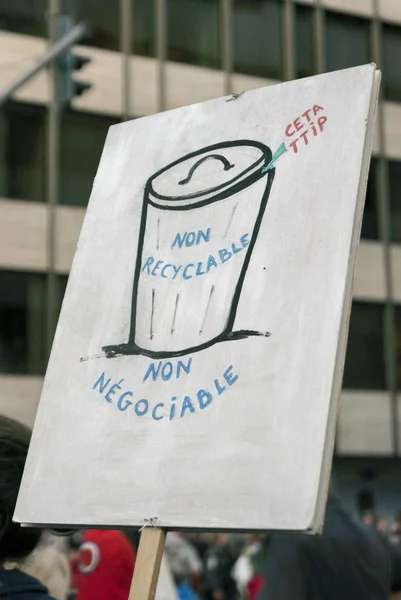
[{"x": 200, "y": 219}]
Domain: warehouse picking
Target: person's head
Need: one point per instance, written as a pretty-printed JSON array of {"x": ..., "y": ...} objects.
[
  {"x": 382, "y": 525},
  {"x": 369, "y": 518},
  {"x": 104, "y": 565},
  {"x": 16, "y": 542}
]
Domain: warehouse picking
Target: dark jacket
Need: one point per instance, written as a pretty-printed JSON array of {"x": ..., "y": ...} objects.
[
  {"x": 16, "y": 585},
  {"x": 350, "y": 561},
  {"x": 219, "y": 561}
]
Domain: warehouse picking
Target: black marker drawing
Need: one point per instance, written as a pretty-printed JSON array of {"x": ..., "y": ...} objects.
[{"x": 200, "y": 220}]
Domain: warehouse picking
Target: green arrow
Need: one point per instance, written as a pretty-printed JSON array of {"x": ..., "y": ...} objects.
[{"x": 279, "y": 152}]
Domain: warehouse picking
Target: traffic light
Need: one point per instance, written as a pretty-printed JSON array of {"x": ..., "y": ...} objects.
[{"x": 67, "y": 63}]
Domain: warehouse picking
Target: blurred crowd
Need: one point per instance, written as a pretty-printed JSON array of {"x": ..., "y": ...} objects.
[
  {"x": 98, "y": 564},
  {"x": 353, "y": 558}
]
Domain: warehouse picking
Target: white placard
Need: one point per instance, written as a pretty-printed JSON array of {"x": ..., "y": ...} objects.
[{"x": 197, "y": 363}]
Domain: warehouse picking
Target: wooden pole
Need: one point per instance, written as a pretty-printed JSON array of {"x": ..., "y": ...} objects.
[{"x": 147, "y": 565}]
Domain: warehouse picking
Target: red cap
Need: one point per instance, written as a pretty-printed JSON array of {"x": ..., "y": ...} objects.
[{"x": 105, "y": 566}]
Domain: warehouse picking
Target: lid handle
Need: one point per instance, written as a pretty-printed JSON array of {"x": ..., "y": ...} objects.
[{"x": 226, "y": 163}]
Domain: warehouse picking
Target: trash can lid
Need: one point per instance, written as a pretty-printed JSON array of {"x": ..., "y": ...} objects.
[{"x": 208, "y": 175}]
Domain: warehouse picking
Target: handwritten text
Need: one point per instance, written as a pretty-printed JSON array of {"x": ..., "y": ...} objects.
[
  {"x": 165, "y": 270},
  {"x": 305, "y": 125},
  {"x": 174, "y": 408}
]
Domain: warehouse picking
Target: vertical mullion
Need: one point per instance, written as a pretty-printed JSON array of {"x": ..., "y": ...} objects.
[
  {"x": 226, "y": 34},
  {"x": 288, "y": 40},
  {"x": 4, "y": 174},
  {"x": 125, "y": 35},
  {"x": 383, "y": 195},
  {"x": 319, "y": 23},
  {"x": 161, "y": 51}
]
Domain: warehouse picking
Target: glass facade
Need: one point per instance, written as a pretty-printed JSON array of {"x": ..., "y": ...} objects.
[
  {"x": 81, "y": 147},
  {"x": 347, "y": 41},
  {"x": 23, "y": 325},
  {"x": 24, "y": 16},
  {"x": 364, "y": 364},
  {"x": 397, "y": 342},
  {"x": 29, "y": 17},
  {"x": 257, "y": 37},
  {"x": 103, "y": 17},
  {"x": 391, "y": 60},
  {"x": 305, "y": 55},
  {"x": 193, "y": 32},
  {"x": 24, "y": 152},
  {"x": 62, "y": 281},
  {"x": 394, "y": 174},
  {"x": 370, "y": 226},
  {"x": 144, "y": 27},
  {"x": 22, "y": 318}
]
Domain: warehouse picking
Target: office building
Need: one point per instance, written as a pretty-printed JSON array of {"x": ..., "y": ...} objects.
[{"x": 180, "y": 52}]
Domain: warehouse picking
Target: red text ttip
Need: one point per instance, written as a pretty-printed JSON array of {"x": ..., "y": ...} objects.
[{"x": 308, "y": 124}]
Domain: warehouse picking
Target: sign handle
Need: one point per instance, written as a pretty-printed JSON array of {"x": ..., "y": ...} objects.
[{"x": 147, "y": 565}]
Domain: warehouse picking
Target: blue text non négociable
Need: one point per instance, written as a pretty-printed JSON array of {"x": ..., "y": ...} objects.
[{"x": 168, "y": 409}]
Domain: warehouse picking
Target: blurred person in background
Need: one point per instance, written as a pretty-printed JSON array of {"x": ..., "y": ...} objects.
[
  {"x": 103, "y": 566},
  {"x": 219, "y": 561},
  {"x": 395, "y": 529},
  {"x": 349, "y": 561},
  {"x": 366, "y": 506},
  {"x": 200, "y": 541},
  {"x": 48, "y": 564},
  {"x": 17, "y": 543},
  {"x": 185, "y": 565},
  {"x": 244, "y": 570},
  {"x": 369, "y": 518},
  {"x": 382, "y": 526},
  {"x": 74, "y": 542}
]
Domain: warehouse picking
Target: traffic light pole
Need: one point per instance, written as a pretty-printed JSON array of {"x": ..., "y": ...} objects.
[
  {"x": 69, "y": 39},
  {"x": 52, "y": 163},
  {"x": 63, "y": 88}
]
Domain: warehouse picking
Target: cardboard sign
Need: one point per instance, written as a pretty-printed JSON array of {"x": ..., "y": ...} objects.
[{"x": 198, "y": 359}]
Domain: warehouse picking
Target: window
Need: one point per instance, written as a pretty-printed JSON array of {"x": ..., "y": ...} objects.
[
  {"x": 194, "y": 32},
  {"x": 144, "y": 18},
  {"x": 397, "y": 336},
  {"x": 304, "y": 41},
  {"x": 257, "y": 38},
  {"x": 103, "y": 18},
  {"x": 82, "y": 141},
  {"x": 24, "y": 152},
  {"x": 61, "y": 285},
  {"x": 391, "y": 60},
  {"x": 394, "y": 173},
  {"x": 364, "y": 365},
  {"x": 370, "y": 230},
  {"x": 24, "y": 16},
  {"x": 81, "y": 145},
  {"x": 347, "y": 41},
  {"x": 22, "y": 319}
]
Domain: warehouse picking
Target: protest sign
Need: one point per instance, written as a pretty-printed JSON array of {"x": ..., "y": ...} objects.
[{"x": 197, "y": 363}]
